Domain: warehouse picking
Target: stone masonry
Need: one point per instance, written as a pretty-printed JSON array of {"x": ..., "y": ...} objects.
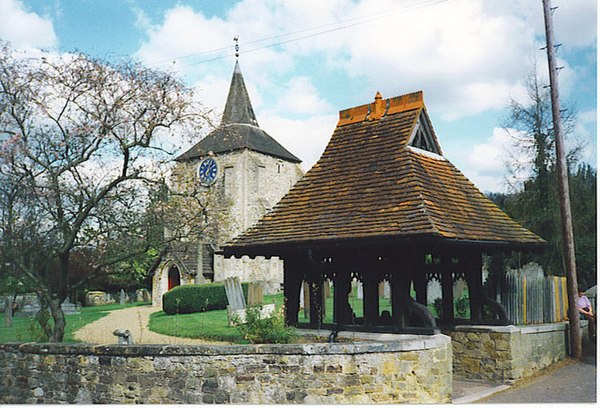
[
  {"x": 248, "y": 185},
  {"x": 414, "y": 370},
  {"x": 505, "y": 354}
]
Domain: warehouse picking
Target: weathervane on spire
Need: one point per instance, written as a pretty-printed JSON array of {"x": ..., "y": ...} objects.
[{"x": 237, "y": 46}]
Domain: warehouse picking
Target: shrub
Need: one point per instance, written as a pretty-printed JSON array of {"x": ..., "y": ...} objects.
[
  {"x": 197, "y": 298},
  {"x": 462, "y": 305},
  {"x": 272, "y": 330}
]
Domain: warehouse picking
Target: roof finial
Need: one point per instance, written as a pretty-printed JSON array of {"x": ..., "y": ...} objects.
[{"x": 237, "y": 46}]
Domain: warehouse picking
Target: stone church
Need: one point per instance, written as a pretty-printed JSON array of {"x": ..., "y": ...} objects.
[{"x": 246, "y": 172}]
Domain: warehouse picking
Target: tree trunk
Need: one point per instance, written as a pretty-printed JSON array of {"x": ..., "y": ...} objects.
[
  {"x": 59, "y": 321},
  {"x": 43, "y": 317},
  {"x": 8, "y": 313}
]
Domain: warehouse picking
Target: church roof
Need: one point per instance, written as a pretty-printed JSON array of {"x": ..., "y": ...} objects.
[
  {"x": 239, "y": 128},
  {"x": 382, "y": 176}
]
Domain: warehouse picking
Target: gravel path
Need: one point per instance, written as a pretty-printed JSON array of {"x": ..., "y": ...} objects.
[{"x": 134, "y": 319}]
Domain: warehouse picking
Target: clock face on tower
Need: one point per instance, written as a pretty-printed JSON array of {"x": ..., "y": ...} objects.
[{"x": 207, "y": 171}]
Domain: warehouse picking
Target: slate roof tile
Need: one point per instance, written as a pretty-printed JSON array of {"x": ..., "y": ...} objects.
[{"x": 239, "y": 128}]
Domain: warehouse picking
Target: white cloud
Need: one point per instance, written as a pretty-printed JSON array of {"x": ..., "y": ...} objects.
[
  {"x": 182, "y": 33},
  {"x": 304, "y": 138},
  {"x": 490, "y": 156},
  {"x": 25, "y": 29},
  {"x": 485, "y": 163},
  {"x": 584, "y": 136},
  {"x": 301, "y": 96},
  {"x": 468, "y": 56},
  {"x": 576, "y": 22}
]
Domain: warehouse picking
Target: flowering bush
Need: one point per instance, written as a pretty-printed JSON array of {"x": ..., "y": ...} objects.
[{"x": 271, "y": 330}]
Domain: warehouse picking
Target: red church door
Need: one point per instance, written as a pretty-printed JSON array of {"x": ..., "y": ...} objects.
[{"x": 174, "y": 278}]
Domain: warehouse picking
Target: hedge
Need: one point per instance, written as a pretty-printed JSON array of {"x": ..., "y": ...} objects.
[{"x": 186, "y": 299}]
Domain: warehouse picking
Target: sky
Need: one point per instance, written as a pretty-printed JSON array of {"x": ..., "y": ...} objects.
[{"x": 304, "y": 61}]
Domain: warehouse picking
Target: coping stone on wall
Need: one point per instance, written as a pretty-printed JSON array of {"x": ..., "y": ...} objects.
[
  {"x": 401, "y": 344},
  {"x": 486, "y": 329},
  {"x": 542, "y": 328},
  {"x": 536, "y": 328}
]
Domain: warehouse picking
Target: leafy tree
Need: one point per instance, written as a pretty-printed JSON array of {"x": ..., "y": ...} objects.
[
  {"x": 82, "y": 145},
  {"x": 583, "y": 191},
  {"x": 534, "y": 201}
]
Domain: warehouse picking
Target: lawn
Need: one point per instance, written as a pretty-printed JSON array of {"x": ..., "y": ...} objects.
[
  {"x": 26, "y": 329},
  {"x": 212, "y": 325}
]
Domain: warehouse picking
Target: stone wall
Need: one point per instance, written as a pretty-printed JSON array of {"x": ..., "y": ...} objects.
[
  {"x": 266, "y": 271},
  {"x": 506, "y": 353},
  {"x": 413, "y": 369}
]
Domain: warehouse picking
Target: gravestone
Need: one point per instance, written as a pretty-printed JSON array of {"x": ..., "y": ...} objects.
[
  {"x": 255, "y": 294},
  {"x": 142, "y": 295},
  {"x": 306, "y": 299},
  {"x": 28, "y": 310},
  {"x": 386, "y": 290},
  {"x": 8, "y": 315},
  {"x": 68, "y": 307},
  {"x": 122, "y": 297},
  {"x": 325, "y": 294},
  {"x": 327, "y": 289},
  {"x": 235, "y": 294},
  {"x": 96, "y": 298},
  {"x": 236, "y": 310}
]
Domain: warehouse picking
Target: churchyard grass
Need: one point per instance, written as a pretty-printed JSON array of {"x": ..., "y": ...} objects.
[
  {"x": 212, "y": 325},
  {"x": 26, "y": 329}
]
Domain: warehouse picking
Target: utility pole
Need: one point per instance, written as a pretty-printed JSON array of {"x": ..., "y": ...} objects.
[{"x": 563, "y": 187}]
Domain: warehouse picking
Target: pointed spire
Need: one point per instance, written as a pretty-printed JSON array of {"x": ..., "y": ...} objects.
[{"x": 238, "y": 108}]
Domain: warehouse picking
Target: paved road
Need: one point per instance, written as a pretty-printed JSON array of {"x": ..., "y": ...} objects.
[
  {"x": 134, "y": 319},
  {"x": 573, "y": 382}
]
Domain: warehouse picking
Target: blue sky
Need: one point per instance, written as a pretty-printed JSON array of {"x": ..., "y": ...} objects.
[{"x": 303, "y": 61}]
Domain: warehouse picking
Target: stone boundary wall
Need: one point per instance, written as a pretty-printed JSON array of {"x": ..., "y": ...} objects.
[
  {"x": 506, "y": 354},
  {"x": 412, "y": 369}
]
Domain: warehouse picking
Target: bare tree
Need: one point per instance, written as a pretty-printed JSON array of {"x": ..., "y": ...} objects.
[
  {"x": 531, "y": 156},
  {"x": 83, "y": 142},
  {"x": 531, "y": 165}
]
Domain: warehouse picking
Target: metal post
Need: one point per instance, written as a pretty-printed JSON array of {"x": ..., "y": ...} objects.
[{"x": 563, "y": 187}]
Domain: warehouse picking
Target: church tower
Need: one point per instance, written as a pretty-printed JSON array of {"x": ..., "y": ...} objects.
[{"x": 246, "y": 172}]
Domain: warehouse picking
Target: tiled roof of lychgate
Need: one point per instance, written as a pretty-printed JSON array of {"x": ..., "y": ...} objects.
[
  {"x": 239, "y": 128},
  {"x": 370, "y": 183}
]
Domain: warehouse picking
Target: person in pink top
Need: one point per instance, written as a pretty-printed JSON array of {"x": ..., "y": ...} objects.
[{"x": 585, "y": 310}]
